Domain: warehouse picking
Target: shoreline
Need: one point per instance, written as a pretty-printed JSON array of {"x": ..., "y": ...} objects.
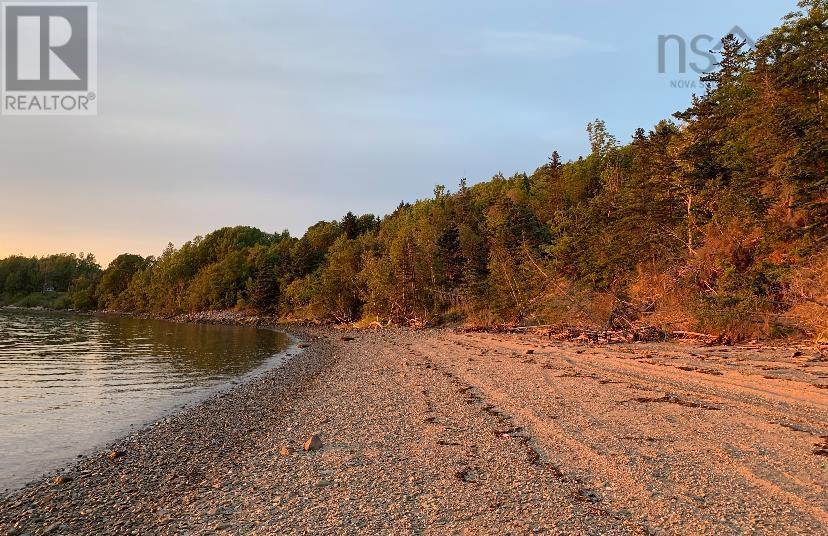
[
  {"x": 296, "y": 368},
  {"x": 273, "y": 362},
  {"x": 438, "y": 432},
  {"x": 564, "y": 332}
]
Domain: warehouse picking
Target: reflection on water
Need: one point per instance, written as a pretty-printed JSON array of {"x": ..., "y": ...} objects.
[{"x": 71, "y": 383}]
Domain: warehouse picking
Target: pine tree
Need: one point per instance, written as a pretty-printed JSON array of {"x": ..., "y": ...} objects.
[{"x": 555, "y": 161}]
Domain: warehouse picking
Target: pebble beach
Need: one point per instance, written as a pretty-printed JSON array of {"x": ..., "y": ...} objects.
[{"x": 438, "y": 432}]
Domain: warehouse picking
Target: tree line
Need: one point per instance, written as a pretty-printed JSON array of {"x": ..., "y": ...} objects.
[{"x": 715, "y": 220}]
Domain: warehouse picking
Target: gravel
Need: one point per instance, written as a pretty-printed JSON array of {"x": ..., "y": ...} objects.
[{"x": 442, "y": 433}]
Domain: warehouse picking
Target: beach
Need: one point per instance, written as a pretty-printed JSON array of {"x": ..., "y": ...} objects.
[{"x": 444, "y": 432}]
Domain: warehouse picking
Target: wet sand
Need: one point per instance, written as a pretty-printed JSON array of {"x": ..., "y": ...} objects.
[{"x": 440, "y": 432}]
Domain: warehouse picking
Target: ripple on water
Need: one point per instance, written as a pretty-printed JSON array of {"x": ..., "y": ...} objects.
[{"x": 71, "y": 383}]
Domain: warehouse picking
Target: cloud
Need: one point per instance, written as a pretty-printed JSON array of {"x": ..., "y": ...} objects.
[
  {"x": 161, "y": 130},
  {"x": 529, "y": 44}
]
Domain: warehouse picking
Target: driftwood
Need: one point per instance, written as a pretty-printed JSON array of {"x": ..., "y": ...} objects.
[
  {"x": 704, "y": 337},
  {"x": 606, "y": 336},
  {"x": 609, "y": 336},
  {"x": 579, "y": 334},
  {"x": 691, "y": 335}
]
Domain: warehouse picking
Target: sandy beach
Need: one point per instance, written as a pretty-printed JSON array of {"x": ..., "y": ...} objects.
[{"x": 438, "y": 432}]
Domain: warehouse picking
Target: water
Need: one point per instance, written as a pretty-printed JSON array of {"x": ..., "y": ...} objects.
[{"x": 69, "y": 384}]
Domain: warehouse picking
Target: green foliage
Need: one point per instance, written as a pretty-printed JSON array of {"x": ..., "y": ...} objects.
[
  {"x": 118, "y": 276},
  {"x": 712, "y": 215},
  {"x": 57, "y": 281}
]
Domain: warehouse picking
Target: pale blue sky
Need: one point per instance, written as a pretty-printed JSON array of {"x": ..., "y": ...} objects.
[{"x": 279, "y": 114}]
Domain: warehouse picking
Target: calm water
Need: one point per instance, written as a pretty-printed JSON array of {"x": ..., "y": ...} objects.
[{"x": 69, "y": 384}]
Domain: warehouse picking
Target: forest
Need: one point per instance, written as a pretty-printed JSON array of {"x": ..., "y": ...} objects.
[{"x": 714, "y": 220}]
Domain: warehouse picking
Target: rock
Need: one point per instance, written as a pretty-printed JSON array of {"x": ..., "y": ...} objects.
[
  {"x": 589, "y": 496},
  {"x": 115, "y": 454},
  {"x": 303, "y": 346},
  {"x": 797, "y": 354},
  {"x": 61, "y": 479},
  {"x": 286, "y": 451},
  {"x": 52, "y": 528},
  {"x": 348, "y": 339},
  {"x": 530, "y": 352},
  {"x": 469, "y": 475},
  {"x": 313, "y": 444}
]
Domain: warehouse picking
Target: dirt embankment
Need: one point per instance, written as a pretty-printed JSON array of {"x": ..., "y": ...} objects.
[{"x": 438, "y": 432}]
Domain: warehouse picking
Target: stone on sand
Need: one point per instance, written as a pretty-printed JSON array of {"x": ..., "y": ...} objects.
[{"x": 313, "y": 444}]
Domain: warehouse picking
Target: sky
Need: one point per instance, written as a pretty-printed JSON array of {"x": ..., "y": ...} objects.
[{"x": 280, "y": 114}]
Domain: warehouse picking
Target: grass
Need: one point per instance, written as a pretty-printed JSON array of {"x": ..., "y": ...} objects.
[{"x": 46, "y": 300}]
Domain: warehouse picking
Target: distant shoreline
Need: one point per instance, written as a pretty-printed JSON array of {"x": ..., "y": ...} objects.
[{"x": 642, "y": 333}]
